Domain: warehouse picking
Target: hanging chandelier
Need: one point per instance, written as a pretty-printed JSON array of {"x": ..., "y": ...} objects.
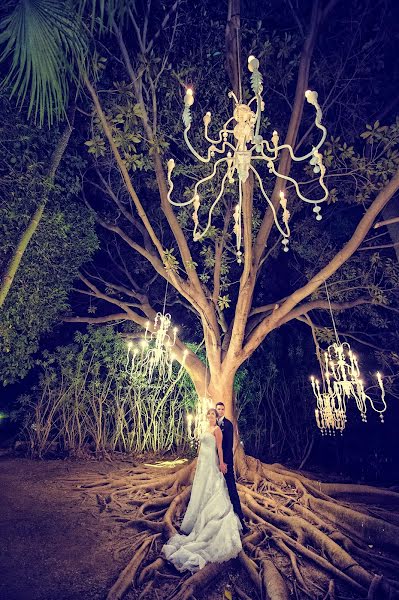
[
  {"x": 154, "y": 353},
  {"x": 342, "y": 381},
  {"x": 330, "y": 412},
  {"x": 197, "y": 423},
  {"x": 238, "y": 150}
]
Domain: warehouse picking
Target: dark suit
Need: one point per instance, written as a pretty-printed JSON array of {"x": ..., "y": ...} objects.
[{"x": 227, "y": 446}]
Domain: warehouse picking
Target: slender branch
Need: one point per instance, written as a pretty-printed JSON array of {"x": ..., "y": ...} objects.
[
  {"x": 23, "y": 242},
  {"x": 381, "y": 247},
  {"x": 386, "y": 222},
  {"x": 121, "y": 165},
  {"x": 98, "y": 320},
  {"x": 130, "y": 314},
  {"x": 303, "y": 309},
  {"x": 343, "y": 334}
]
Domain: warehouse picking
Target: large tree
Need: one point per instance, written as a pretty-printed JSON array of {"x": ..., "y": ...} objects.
[{"x": 132, "y": 130}]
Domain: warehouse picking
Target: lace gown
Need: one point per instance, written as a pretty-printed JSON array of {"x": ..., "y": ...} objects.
[{"x": 212, "y": 527}]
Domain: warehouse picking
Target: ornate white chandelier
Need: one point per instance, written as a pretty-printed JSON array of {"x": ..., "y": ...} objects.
[
  {"x": 341, "y": 381},
  {"x": 155, "y": 351},
  {"x": 242, "y": 148}
]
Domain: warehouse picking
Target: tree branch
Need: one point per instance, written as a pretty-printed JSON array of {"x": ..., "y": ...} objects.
[
  {"x": 98, "y": 320},
  {"x": 293, "y": 128},
  {"x": 303, "y": 309},
  {"x": 273, "y": 321}
]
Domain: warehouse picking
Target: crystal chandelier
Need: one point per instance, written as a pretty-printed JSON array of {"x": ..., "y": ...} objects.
[
  {"x": 155, "y": 351},
  {"x": 197, "y": 422},
  {"x": 341, "y": 381},
  {"x": 330, "y": 412},
  {"x": 238, "y": 150}
]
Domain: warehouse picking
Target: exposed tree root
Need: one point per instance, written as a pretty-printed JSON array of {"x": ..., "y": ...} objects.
[{"x": 308, "y": 540}]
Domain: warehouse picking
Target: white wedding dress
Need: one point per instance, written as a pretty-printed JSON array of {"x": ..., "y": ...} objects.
[{"x": 212, "y": 527}]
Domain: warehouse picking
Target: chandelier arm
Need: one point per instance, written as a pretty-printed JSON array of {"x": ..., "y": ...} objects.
[
  {"x": 191, "y": 148},
  {"x": 231, "y": 94},
  {"x": 309, "y": 154},
  {"x": 211, "y": 148},
  {"x": 381, "y": 399},
  {"x": 283, "y": 233},
  {"x": 198, "y": 236},
  {"x": 295, "y": 184},
  {"x": 223, "y": 148},
  {"x": 207, "y": 178},
  {"x": 253, "y": 99},
  {"x": 270, "y": 149},
  {"x": 223, "y": 130}
]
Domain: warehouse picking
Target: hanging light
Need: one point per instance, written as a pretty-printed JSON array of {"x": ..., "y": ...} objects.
[
  {"x": 342, "y": 381},
  {"x": 197, "y": 423},
  {"x": 330, "y": 412},
  {"x": 149, "y": 358},
  {"x": 238, "y": 150}
]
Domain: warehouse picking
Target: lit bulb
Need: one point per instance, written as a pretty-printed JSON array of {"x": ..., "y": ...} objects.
[
  {"x": 253, "y": 64},
  {"x": 189, "y": 97}
]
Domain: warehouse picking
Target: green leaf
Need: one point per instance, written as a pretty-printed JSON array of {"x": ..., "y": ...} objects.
[
  {"x": 46, "y": 46},
  {"x": 223, "y": 302}
]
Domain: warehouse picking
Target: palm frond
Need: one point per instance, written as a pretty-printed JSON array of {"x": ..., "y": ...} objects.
[
  {"x": 103, "y": 14},
  {"x": 45, "y": 47}
]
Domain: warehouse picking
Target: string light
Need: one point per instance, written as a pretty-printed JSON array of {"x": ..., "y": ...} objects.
[{"x": 236, "y": 151}]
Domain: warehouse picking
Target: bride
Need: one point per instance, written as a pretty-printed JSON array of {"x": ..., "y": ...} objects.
[{"x": 210, "y": 528}]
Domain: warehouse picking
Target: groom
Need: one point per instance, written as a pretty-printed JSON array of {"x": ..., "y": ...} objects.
[{"x": 227, "y": 445}]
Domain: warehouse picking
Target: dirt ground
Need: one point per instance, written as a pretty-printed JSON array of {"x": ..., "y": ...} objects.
[{"x": 54, "y": 543}]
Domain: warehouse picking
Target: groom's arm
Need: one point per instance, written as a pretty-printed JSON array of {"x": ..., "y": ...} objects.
[{"x": 229, "y": 436}]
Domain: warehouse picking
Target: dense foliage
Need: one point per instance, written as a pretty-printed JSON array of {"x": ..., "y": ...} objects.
[
  {"x": 64, "y": 241},
  {"x": 87, "y": 400}
]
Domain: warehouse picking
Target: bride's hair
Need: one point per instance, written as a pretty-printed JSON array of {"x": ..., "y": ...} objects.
[{"x": 212, "y": 410}]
